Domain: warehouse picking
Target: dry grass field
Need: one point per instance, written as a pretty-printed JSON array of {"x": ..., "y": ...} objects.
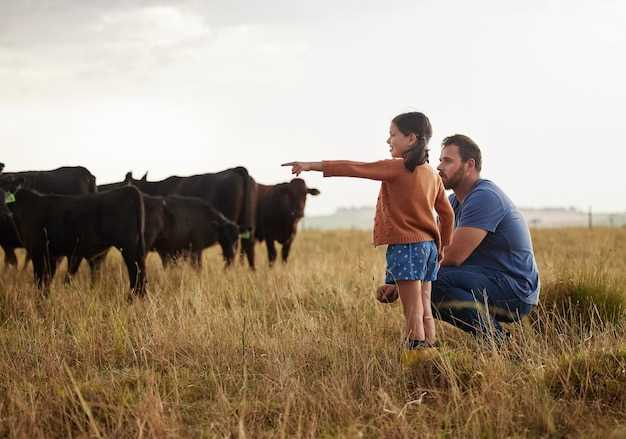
[{"x": 304, "y": 350}]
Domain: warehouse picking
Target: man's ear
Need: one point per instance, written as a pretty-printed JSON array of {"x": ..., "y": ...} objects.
[{"x": 471, "y": 164}]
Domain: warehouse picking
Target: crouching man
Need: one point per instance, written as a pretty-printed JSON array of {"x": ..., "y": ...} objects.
[{"x": 488, "y": 273}]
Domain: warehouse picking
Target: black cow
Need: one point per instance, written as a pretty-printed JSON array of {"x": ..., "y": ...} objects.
[
  {"x": 192, "y": 225},
  {"x": 156, "y": 217},
  {"x": 232, "y": 192},
  {"x": 67, "y": 180},
  {"x": 280, "y": 208},
  {"x": 81, "y": 226},
  {"x": 178, "y": 226},
  {"x": 63, "y": 181}
]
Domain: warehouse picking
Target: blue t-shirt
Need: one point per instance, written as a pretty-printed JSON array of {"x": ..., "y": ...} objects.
[{"x": 507, "y": 247}]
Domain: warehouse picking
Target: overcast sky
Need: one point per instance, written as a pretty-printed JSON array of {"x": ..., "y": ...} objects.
[{"x": 183, "y": 87}]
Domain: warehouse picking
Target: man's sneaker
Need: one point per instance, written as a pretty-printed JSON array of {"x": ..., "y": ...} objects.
[{"x": 387, "y": 293}]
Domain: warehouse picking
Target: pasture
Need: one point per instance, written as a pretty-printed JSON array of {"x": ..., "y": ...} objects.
[{"x": 304, "y": 350}]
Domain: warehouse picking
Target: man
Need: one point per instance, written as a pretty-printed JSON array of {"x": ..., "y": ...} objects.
[{"x": 488, "y": 272}]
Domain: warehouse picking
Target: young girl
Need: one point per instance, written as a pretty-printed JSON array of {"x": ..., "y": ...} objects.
[{"x": 410, "y": 191}]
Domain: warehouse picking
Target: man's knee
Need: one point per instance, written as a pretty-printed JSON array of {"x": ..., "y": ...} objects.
[{"x": 447, "y": 280}]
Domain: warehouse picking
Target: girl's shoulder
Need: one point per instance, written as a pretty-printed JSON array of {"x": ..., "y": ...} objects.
[{"x": 425, "y": 171}]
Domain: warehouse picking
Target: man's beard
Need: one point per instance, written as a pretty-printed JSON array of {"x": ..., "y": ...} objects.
[{"x": 455, "y": 179}]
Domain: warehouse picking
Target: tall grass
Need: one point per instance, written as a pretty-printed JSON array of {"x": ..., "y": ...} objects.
[{"x": 305, "y": 350}]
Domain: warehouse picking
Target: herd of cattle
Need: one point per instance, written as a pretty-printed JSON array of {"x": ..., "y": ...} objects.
[{"x": 63, "y": 213}]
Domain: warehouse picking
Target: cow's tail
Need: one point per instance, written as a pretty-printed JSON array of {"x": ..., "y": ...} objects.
[
  {"x": 139, "y": 288},
  {"x": 141, "y": 226},
  {"x": 246, "y": 220}
]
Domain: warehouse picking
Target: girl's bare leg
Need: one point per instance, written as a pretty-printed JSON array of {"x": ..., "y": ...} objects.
[
  {"x": 411, "y": 297},
  {"x": 429, "y": 321}
]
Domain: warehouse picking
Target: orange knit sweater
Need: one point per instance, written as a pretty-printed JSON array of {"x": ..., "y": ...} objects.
[{"x": 404, "y": 211}]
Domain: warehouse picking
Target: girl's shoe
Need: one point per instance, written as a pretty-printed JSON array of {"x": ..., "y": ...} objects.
[
  {"x": 417, "y": 351},
  {"x": 412, "y": 357},
  {"x": 387, "y": 293}
]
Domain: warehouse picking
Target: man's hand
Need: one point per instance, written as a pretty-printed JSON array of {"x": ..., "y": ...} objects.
[{"x": 298, "y": 167}]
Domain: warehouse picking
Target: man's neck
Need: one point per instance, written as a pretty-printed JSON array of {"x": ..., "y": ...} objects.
[{"x": 465, "y": 187}]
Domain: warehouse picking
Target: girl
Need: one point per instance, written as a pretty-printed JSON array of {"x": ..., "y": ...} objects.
[{"x": 409, "y": 192}]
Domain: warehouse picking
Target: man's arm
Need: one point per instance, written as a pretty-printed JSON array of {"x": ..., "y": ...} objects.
[{"x": 464, "y": 242}]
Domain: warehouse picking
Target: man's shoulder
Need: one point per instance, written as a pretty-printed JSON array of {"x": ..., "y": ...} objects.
[
  {"x": 486, "y": 191},
  {"x": 483, "y": 186}
]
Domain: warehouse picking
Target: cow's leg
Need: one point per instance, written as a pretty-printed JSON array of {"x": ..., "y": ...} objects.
[
  {"x": 10, "y": 259},
  {"x": 43, "y": 270},
  {"x": 167, "y": 259},
  {"x": 248, "y": 247},
  {"x": 27, "y": 259},
  {"x": 136, "y": 267},
  {"x": 52, "y": 268},
  {"x": 284, "y": 252},
  {"x": 271, "y": 251},
  {"x": 95, "y": 266},
  {"x": 38, "y": 270},
  {"x": 196, "y": 259},
  {"x": 73, "y": 264}
]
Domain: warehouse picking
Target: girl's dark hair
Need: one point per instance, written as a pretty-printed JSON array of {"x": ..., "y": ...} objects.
[{"x": 418, "y": 124}]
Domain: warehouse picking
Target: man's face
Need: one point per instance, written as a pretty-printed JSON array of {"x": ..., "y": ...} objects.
[{"x": 452, "y": 169}]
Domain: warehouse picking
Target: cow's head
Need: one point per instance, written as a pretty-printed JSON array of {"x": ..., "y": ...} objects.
[
  {"x": 291, "y": 198},
  {"x": 228, "y": 237}
]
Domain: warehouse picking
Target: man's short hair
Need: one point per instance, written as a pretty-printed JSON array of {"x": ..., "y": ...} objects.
[{"x": 468, "y": 149}]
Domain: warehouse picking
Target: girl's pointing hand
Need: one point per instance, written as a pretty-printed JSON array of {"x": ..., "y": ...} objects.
[{"x": 298, "y": 167}]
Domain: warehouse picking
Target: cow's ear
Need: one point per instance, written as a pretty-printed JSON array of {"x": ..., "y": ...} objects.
[
  {"x": 1, "y": 166},
  {"x": 128, "y": 177},
  {"x": 14, "y": 184},
  {"x": 312, "y": 191},
  {"x": 145, "y": 177}
]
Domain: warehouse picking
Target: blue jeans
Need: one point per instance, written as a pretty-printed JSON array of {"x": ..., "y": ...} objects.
[{"x": 475, "y": 299}]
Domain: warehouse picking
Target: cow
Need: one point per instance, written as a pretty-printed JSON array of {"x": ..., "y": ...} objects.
[
  {"x": 67, "y": 180},
  {"x": 155, "y": 220},
  {"x": 80, "y": 226},
  {"x": 192, "y": 225},
  {"x": 178, "y": 226},
  {"x": 279, "y": 209},
  {"x": 232, "y": 192}
]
